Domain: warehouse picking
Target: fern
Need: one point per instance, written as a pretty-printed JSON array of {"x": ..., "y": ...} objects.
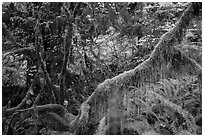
[
  {"x": 170, "y": 102},
  {"x": 188, "y": 117},
  {"x": 139, "y": 126},
  {"x": 101, "y": 127}
]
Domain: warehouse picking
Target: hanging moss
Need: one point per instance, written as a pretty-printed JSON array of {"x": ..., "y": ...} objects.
[{"x": 151, "y": 70}]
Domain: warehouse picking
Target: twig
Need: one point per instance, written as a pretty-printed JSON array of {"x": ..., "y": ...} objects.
[
  {"x": 65, "y": 8},
  {"x": 21, "y": 50},
  {"x": 37, "y": 99}
]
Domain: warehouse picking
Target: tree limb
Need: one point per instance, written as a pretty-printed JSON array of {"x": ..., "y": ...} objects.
[
  {"x": 42, "y": 63},
  {"x": 67, "y": 48},
  {"x": 25, "y": 51},
  {"x": 19, "y": 106},
  {"x": 156, "y": 67}
]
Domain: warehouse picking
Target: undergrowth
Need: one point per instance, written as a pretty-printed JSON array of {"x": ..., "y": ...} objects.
[{"x": 172, "y": 106}]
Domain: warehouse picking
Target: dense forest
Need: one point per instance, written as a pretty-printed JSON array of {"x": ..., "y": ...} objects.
[{"x": 101, "y": 68}]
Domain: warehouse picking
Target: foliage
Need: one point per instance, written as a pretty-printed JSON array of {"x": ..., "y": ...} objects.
[
  {"x": 14, "y": 71},
  {"x": 165, "y": 106}
]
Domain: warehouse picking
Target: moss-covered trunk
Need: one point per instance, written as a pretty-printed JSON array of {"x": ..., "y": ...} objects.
[{"x": 164, "y": 61}]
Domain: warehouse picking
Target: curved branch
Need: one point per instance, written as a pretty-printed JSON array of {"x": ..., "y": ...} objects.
[
  {"x": 57, "y": 112},
  {"x": 56, "y": 108},
  {"x": 157, "y": 66},
  {"x": 25, "y": 51}
]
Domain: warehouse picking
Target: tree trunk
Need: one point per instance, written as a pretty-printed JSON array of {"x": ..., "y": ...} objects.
[
  {"x": 42, "y": 63},
  {"x": 67, "y": 48}
]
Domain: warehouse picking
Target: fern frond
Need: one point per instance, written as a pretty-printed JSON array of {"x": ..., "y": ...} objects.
[
  {"x": 188, "y": 117},
  {"x": 139, "y": 126}
]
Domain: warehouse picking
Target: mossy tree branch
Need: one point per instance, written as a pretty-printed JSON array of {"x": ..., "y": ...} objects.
[
  {"x": 67, "y": 50},
  {"x": 42, "y": 63},
  {"x": 160, "y": 64}
]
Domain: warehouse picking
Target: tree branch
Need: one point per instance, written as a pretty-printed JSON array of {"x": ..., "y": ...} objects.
[
  {"x": 98, "y": 61},
  {"x": 67, "y": 48},
  {"x": 42, "y": 63},
  {"x": 24, "y": 51},
  {"x": 19, "y": 106},
  {"x": 156, "y": 67}
]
